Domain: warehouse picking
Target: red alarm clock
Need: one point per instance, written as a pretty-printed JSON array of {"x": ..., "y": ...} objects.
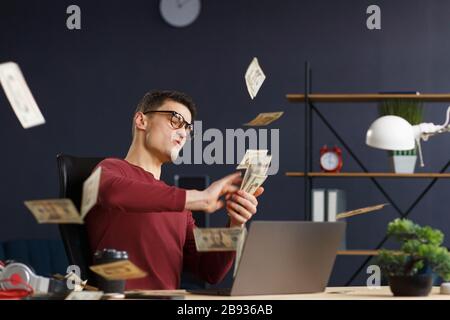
[{"x": 330, "y": 159}]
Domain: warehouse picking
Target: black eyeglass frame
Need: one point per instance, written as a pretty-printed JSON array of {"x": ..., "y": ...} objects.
[{"x": 184, "y": 123}]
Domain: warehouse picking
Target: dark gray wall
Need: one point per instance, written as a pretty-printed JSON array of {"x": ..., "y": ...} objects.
[{"x": 88, "y": 82}]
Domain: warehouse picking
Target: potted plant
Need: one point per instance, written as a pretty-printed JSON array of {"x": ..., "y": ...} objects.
[
  {"x": 420, "y": 250},
  {"x": 411, "y": 111}
]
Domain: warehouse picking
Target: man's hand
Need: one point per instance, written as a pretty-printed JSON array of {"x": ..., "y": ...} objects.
[
  {"x": 209, "y": 200},
  {"x": 241, "y": 206}
]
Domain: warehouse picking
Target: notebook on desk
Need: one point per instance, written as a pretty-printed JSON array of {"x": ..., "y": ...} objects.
[{"x": 284, "y": 257}]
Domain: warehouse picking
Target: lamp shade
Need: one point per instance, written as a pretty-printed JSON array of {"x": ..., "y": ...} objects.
[{"x": 390, "y": 133}]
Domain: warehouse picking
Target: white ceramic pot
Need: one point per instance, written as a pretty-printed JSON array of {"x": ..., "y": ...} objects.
[{"x": 403, "y": 163}]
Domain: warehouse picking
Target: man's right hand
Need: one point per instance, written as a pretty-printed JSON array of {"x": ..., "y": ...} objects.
[{"x": 209, "y": 200}]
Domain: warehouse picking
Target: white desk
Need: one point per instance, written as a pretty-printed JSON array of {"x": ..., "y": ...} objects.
[{"x": 331, "y": 293}]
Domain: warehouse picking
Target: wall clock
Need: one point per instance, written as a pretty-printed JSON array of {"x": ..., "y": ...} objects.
[{"x": 179, "y": 13}]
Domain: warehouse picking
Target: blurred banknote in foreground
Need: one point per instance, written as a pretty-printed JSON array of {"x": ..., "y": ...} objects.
[
  {"x": 254, "y": 78},
  {"x": 264, "y": 119},
  {"x": 119, "y": 270},
  {"x": 54, "y": 211},
  {"x": 217, "y": 239},
  {"x": 19, "y": 95},
  {"x": 85, "y": 295},
  {"x": 63, "y": 210}
]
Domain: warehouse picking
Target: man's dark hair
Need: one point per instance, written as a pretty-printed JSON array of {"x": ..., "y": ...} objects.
[{"x": 154, "y": 99}]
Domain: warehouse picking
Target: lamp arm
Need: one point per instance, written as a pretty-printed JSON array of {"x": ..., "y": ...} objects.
[
  {"x": 447, "y": 120},
  {"x": 419, "y": 148},
  {"x": 425, "y": 130}
]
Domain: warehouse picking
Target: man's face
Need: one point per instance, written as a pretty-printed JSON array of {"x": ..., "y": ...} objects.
[{"x": 161, "y": 138}]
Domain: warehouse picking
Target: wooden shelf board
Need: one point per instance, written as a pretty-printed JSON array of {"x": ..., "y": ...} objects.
[
  {"x": 358, "y": 252},
  {"x": 363, "y": 252},
  {"x": 368, "y": 97},
  {"x": 368, "y": 175},
  {"x": 295, "y": 174}
]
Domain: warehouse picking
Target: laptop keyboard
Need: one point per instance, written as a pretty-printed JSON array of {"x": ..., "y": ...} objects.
[{"x": 212, "y": 291}]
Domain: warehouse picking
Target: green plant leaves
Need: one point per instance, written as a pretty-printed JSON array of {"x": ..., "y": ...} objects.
[
  {"x": 419, "y": 246},
  {"x": 410, "y": 110}
]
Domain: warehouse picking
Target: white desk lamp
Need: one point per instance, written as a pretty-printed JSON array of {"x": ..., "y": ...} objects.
[{"x": 395, "y": 133}]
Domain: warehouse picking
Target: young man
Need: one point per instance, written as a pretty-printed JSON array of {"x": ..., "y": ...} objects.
[{"x": 138, "y": 213}]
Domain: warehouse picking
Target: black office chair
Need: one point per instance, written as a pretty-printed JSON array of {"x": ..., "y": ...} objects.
[{"x": 73, "y": 171}]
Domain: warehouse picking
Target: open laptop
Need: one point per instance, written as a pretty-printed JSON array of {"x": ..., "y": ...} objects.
[{"x": 284, "y": 257}]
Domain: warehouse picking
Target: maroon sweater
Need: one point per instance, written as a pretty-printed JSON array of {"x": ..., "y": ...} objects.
[{"x": 145, "y": 217}]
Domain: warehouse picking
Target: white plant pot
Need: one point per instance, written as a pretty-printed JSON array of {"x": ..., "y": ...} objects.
[{"x": 403, "y": 164}]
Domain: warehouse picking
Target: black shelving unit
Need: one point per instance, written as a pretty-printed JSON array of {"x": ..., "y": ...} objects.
[{"x": 310, "y": 100}]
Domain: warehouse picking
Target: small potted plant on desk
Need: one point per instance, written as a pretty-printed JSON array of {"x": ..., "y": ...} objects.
[
  {"x": 420, "y": 250},
  {"x": 411, "y": 111}
]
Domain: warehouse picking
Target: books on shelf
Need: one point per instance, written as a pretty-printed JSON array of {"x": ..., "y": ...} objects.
[
  {"x": 335, "y": 203},
  {"x": 326, "y": 204},
  {"x": 318, "y": 205}
]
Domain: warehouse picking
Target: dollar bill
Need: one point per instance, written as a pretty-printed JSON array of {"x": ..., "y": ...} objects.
[
  {"x": 217, "y": 239},
  {"x": 251, "y": 156},
  {"x": 19, "y": 95},
  {"x": 260, "y": 165},
  {"x": 264, "y": 119},
  {"x": 254, "y": 78},
  {"x": 85, "y": 295},
  {"x": 63, "y": 210},
  {"x": 256, "y": 173},
  {"x": 253, "y": 183},
  {"x": 119, "y": 270},
  {"x": 54, "y": 211},
  {"x": 356, "y": 212},
  {"x": 90, "y": 192}
]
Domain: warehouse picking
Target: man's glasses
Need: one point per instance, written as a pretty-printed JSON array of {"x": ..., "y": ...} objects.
[{"x": 177, "y": 121}]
